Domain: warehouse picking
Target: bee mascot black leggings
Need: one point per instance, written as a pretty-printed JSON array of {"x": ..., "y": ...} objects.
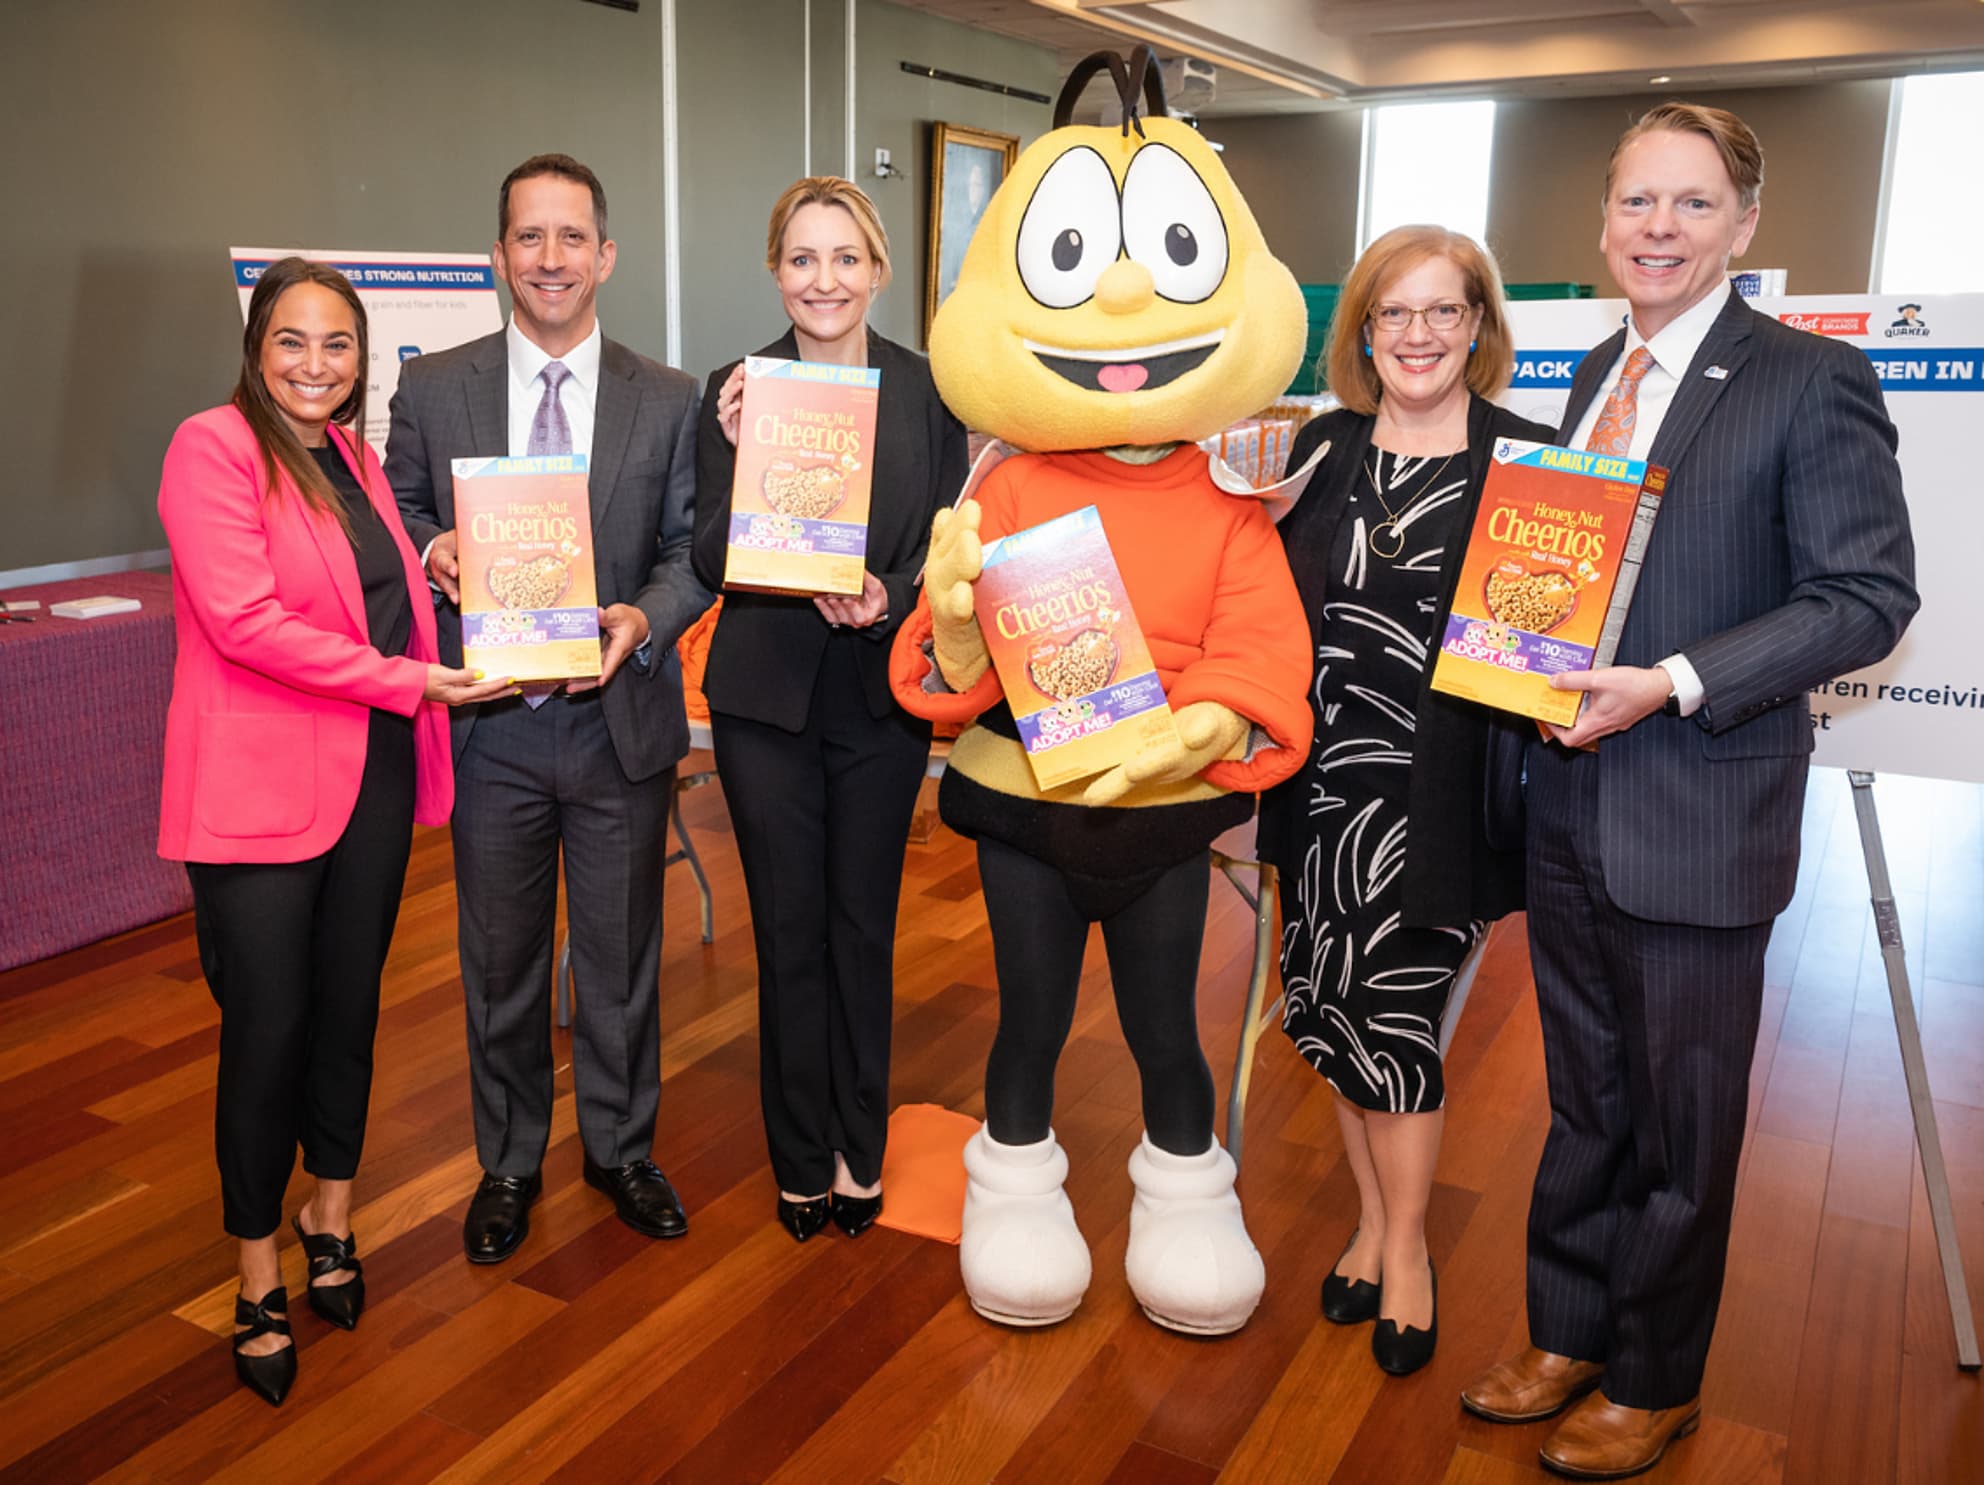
[{"x": 1152, "y": 927}]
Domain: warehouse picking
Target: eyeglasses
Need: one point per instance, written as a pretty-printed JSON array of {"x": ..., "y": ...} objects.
[{"x": 1396, "y": 318}]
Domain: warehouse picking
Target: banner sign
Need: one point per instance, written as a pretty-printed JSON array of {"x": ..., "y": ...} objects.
[
  {"x": 414, "y": 303},
  {"x": 1920, "y": 711}
]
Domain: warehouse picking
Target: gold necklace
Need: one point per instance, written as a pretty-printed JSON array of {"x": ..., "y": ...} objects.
[{"x": 1391, "y": 516}]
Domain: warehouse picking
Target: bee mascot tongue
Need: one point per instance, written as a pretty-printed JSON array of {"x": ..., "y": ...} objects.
[{"x": 1116, "y": 304}]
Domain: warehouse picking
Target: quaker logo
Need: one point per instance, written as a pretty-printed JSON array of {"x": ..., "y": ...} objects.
[{"x": 1910, "y": 323}]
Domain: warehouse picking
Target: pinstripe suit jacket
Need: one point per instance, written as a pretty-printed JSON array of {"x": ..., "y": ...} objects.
[
  {"x": 1782, "y": 558},
  {"x": 455, "y": 404}
]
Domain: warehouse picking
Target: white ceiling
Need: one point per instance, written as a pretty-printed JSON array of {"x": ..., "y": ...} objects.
[{"x": 1298, "y": 55}]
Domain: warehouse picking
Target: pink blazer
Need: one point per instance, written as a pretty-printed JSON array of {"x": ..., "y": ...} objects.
[{"x": 275, "y": 678}]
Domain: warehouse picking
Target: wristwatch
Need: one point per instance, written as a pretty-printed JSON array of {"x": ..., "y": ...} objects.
[{"x": 1671, "y": 707}]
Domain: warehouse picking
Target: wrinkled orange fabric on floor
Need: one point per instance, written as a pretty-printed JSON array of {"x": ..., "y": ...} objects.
[{"x": 923, "y": 1171}]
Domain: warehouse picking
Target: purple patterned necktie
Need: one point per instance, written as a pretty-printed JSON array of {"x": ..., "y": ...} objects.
[{"x": 550, "y": 433}]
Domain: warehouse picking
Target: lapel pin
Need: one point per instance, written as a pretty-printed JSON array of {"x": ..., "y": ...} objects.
[{"x": 1717, "y": 373}]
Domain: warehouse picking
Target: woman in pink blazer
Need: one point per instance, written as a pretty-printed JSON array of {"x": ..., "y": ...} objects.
[{"x": 308, "y": 731}]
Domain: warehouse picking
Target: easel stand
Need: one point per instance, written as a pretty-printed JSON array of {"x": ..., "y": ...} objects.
[{"x": 1934, "y": 1175}]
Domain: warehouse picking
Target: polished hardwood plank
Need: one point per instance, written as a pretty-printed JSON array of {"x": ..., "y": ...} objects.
[{"x": 737, "y": 1355}]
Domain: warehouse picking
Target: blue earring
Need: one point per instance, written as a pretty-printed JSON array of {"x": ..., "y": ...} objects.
[
  {"x": 1367, "y": 347},
  {"x": 1470, "y": 347}
]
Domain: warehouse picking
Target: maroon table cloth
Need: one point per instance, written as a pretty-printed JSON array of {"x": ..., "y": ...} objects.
[{"x": 82, "y": 741}]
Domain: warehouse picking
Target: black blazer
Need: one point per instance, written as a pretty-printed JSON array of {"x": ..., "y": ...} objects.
[
  {"x": 1782, "y": 558},
  {"x": 455, "y": 404},
  {"x": 767, "y": 649},
  {"x": 1463, "y": 859}
]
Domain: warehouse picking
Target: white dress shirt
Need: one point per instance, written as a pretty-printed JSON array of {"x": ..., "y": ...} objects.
[
  {"x": 1673, "y": 348},
  {"x": 577, "y": 394}
]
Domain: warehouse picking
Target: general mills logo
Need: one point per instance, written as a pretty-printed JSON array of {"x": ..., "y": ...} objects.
[{"x": 1910, "y": 323}]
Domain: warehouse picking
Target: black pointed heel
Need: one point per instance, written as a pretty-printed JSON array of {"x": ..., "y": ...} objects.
[
  {"x": 341, "y": 1304},
  {"x": 1402, "y": 1351},
  {"x": 268, "y": 1377},
  {"x": 854, "y": 1215},
  {"x": 802, "y": 1218}
]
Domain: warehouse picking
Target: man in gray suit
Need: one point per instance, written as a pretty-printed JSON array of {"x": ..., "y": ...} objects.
[
  {"x": 1658, "y": 858},
  {"x": 589, "y": 769}
]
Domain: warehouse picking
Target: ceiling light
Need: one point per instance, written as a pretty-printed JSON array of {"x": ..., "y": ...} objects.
[{"x": 1663, "y": 78}]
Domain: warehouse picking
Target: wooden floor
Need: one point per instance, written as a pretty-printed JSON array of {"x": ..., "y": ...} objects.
[{"x": 736, "y": 1355}]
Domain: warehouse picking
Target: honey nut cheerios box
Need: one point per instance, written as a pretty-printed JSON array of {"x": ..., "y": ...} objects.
[
  {"x": 799, "y": 498},
  {"x": 530, "y": 600},
  {"x": 1076, "y": 670},
  {"x": 1547, "y": 576}
]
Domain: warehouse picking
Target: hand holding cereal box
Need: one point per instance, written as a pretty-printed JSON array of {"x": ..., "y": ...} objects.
[
  {"x": 799, "y": 499},
  {"x": 1070, "y": 655},
  {"x": 530, "y": 604},
  {"x": 1547, "y": 577}
]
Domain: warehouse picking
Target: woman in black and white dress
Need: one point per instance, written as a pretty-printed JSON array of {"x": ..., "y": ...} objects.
[{"x": 1385, "y": 843}]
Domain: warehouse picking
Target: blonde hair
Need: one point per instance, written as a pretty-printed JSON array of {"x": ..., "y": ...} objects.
[
  {"x": 829, "y": 190},
  {"x": 1350, "y": 374},
  {"x": 1742, "y": 152}
]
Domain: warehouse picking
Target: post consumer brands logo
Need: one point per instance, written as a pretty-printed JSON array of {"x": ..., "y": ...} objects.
[{"x": 1829, "y": 324}]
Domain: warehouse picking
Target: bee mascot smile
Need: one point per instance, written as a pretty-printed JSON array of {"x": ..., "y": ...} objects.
[{"x": 1117, "y": 303}]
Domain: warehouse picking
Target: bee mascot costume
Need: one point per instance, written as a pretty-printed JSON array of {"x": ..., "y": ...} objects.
[{"x": 1117, "y": 303}]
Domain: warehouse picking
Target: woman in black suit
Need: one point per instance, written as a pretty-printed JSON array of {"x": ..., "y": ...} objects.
[
  {"x": 819, "y": 766},
  {"x": 1394, "y": 853}
]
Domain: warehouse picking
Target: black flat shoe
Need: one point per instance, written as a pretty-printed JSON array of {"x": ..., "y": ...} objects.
[
  {"x": 802, "y": 1218},
  {"x": 340, "y": 1304},
  {"x": 642, "y": 1196},
  {"x": 1348, "y": 1301},
  {"x": 268, "y": 1377},
  {"x": 1403, "y": 1351},
  {"x": 499, "y": 1216},
  {"x": 854, "y": 1215}
]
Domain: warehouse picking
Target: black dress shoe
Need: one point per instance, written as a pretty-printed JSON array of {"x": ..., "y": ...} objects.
[
  {"x": 802, "y": 1218},
  {"x": 499, "y": 1216},
  {"x": 1348, "y": 1301},
  {"x": 854, "y": 1215},
  {"x": 1403, "y": 1351},
  {"x": 340, "y": 1304},
  {"x": 268, "y": 1377},
  {"x": 641, "y": 1195}
]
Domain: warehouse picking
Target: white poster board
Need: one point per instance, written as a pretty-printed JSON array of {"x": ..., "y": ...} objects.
[
  {"x": 414, "y": 303},
  {"x": 1920, "y": 711}
]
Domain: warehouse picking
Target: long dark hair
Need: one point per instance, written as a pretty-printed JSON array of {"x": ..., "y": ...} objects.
[{"x": 278, "y": 441}]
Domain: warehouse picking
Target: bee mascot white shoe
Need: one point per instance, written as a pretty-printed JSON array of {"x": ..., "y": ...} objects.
[{"x": 1116, "y": 305}]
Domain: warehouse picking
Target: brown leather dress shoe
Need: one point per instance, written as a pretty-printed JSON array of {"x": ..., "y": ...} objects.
[
  {"x": 1601, "y": 1440},
  {"x": 1533, "y": 1384}
]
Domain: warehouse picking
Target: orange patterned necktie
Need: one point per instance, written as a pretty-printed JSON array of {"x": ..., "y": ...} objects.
[{"x": 1612, "y": 434}]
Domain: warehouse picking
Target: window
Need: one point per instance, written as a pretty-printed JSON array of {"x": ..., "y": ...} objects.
[
  {"x": 1933, "y": 217},
  {"x": 1426, "y": 162}
]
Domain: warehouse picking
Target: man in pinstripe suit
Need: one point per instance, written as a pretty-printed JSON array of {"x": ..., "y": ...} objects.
[{"x": 1663, "y": 828}]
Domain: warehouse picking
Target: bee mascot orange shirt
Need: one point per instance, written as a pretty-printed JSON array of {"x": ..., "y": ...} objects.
[{"x": 1117, "y": 303}]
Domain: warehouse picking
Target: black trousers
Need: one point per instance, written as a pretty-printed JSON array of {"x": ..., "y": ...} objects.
[
  {"x": 1648, "y": 1033},
  {"x": 822, "y": 818},
  {"x": 534, "y": 788},
  {"x": 1153, "y": 931},
  {"x": 292, "y": 953}
]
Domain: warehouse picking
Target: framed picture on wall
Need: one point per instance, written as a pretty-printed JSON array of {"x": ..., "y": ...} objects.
[{"x": 966, "y": 167}]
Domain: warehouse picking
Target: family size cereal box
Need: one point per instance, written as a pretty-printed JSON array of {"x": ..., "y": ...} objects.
[
  {"x": 1065, "y": 640},
  {"x": 1547, "y": 576},
  {"x": 799, "y": 499},
  {"x": 530, "y": 604}
]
